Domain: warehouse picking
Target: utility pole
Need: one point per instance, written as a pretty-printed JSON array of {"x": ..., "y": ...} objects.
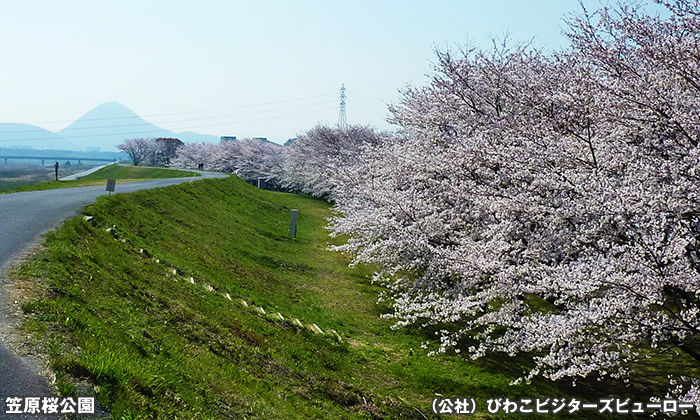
[{"x": 342, "y": 120}]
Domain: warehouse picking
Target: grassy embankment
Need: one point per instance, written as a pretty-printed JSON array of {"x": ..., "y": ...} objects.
[
  {"x": 155, "y": 330},
  {"x": 120, "y": 173}
]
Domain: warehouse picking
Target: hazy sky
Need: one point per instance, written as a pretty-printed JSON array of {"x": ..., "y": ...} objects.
[{"x": 246, "y": 68}]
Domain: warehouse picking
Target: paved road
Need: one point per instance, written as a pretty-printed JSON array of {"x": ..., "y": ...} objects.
[
  {"x": 84, "y": 173},
  {"x": 23, "y": 218}
]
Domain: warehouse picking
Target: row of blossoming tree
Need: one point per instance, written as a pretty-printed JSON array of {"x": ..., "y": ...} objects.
[
  {"x": 544, "y": 204},
  {"x": 306, "y": 165},
  {"x": 249, "y": 158}
]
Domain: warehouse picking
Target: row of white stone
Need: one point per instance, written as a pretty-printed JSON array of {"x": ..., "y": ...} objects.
[
  {"x": 274, "y": 316},
  {"x": 260, "y": 310}
]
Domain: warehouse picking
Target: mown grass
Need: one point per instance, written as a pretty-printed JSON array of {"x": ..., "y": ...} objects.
[
  {"x": 118, "y": 172},
  {"x": 135, "y": 302},
  {"x": 137, "y": 172}
]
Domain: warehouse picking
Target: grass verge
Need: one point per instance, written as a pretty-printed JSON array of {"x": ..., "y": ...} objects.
[
  {"x": 193, "y": 302},
  {"x": 121, "y": 173},
  {"x": 137, "y": 172}
]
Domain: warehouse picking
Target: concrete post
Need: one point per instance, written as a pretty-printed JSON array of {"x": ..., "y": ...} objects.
[{"x": 293, "y": 224}]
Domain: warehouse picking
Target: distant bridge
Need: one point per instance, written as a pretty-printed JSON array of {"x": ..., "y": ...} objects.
[{"x": 59, "y": 159}]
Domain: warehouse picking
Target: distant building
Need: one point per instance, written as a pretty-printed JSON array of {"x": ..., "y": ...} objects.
[{"x": 228, "y": 138}]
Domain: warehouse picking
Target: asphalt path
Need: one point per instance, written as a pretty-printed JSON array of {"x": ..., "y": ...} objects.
[{"x": 24, "y": 217}]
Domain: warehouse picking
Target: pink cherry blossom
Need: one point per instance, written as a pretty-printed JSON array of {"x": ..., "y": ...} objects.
[{"x": 546, "y": 203}]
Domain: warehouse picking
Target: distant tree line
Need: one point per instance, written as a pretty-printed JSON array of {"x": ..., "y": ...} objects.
[{"x": 305, "y": 165}]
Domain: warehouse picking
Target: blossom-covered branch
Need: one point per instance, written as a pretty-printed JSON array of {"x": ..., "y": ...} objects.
[{"x": 548, "y": 203}]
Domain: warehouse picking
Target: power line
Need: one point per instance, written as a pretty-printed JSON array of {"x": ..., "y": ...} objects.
[
  {"x": 258, "y": 119},
  {"x": 374, "y": 98},
  {"x": 135, "y": 133},
  {"x": 342, "y": 120},
  {"x": 247, "y": 113},
  {"x": 188, "y": 112},
  {"x": 146, "y": 123}
]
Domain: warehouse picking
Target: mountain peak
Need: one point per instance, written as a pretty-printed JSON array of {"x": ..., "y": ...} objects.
[
  {"x": 110, "y": 123},
  {"x": 108, "y": 110},
  {"x": 104, "y": 126}
]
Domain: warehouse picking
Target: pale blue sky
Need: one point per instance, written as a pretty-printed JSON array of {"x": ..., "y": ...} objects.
[{"x": 60, "y": 59}]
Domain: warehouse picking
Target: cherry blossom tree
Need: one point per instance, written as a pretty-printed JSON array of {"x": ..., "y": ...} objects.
[
  {"x": 190, "y": 155},
  {"x": 249, "y": 158},
  {"x": 313, "y": 157},
  {"x": 167, "y": 149},
  {"x": 156, "y": 152},
  {"x": 256, "y": 159},
  {"x": 544, "y": 204},
  {"x": 139, "y": 150}
]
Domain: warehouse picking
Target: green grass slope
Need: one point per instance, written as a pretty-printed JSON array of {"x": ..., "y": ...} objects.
[
  {"x": 137, "y": 172},
  {"x": 145, "y": 302}
]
